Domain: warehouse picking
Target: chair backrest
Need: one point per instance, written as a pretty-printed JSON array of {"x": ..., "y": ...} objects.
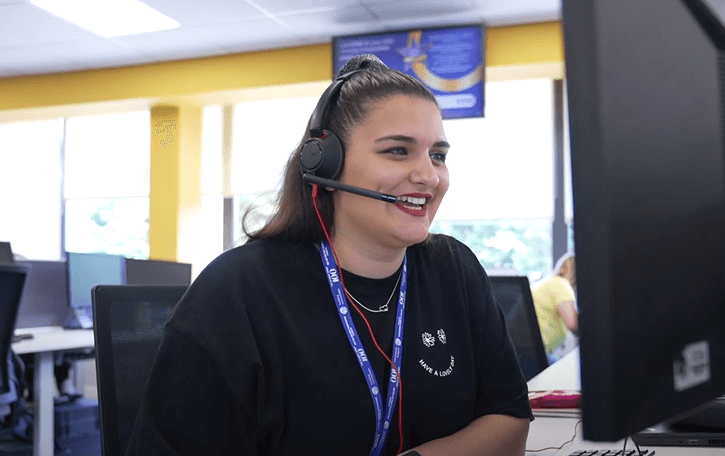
[
  {"x": 12, "y": 279},
  {"x": 513, "y": 294},
  {"x": 128, "y": 325}
]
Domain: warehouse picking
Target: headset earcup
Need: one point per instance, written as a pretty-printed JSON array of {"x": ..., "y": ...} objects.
[{"x": 322, "y": 157}]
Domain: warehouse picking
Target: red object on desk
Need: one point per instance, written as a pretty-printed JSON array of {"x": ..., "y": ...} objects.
[{"x": 554, "y": 399}]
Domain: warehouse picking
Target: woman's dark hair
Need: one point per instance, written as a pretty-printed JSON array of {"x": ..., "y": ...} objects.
[{"x": 295, "y": 218}]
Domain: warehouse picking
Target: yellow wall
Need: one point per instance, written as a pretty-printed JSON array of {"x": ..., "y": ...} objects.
[
  {"x": 513, "y": 52},
  {"x": 519, "y": 45},
  {"x": 524, "y": 44}
]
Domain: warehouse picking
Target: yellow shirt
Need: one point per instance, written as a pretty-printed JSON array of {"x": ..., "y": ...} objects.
[{"x": 548, "y": 294}]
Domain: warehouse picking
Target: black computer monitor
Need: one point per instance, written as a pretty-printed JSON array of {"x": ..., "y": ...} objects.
[
  {"x": 513, "y": 294},
  {"x": 157, "y": 272},
  {"x": 12, "y": 279},
  {"x": 646, "y": 89},
  {"x": 86, "y": 270},
  {"x": 6, "y": 252},
  {"x": 45, "y": 295}
]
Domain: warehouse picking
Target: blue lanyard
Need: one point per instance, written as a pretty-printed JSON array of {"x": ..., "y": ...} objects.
[{"x": 381, "y": 425}]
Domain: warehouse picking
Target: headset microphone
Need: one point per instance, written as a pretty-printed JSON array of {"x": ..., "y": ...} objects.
[{"x": 312, "y": 179}]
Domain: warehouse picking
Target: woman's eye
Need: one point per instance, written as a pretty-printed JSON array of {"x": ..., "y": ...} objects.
[
  {"x": 397, "y": 151},
  {"x": 438, "y": 156}
]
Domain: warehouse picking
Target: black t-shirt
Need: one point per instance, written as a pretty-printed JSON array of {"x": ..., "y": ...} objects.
[{"x": 255, "y": 360}]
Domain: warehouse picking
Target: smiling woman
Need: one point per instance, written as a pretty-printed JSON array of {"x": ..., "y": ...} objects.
[{"x": 342, "y": 327}]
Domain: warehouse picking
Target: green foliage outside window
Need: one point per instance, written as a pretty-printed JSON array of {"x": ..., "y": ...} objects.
[
  {"x": 117, "y": 226},
  {"x": 520, "y": 246}
]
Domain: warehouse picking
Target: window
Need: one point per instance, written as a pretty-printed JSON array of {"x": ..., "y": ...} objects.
[
  {"x": 505, "y": 247},
  {"x": 107, "y": 181},
  {"x": 500, "y": 202},
  {"x": 265, "y": 134},
  {"x": 30, "y": 188},
  {"x": 212, "y": 199},
  {"x": 116, "y": 226}
]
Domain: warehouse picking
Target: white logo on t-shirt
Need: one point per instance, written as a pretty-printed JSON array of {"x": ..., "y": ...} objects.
[{"x": 429, "y": 341}]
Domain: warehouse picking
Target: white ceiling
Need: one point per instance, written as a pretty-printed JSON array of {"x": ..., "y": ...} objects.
[{"x": 33, "y": 41}]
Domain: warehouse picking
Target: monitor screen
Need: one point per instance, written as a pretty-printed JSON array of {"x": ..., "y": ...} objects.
[
  {"x": 6, "y": 252},
  {"x": 645, "y": 89},
  {"x": 86, "y": 270},
  {"x": 450, "y": 61}
]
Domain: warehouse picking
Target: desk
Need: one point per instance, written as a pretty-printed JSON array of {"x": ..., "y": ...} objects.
[
  {"x": 548, "y": 432},
  {"x": 553, "y": 431},
  {"x": 46, "y": 341},
  {"x": 562, "y": 375}
]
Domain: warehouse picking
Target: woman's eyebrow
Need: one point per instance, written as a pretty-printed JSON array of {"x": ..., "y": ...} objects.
[{"x": 411, "y": 140}]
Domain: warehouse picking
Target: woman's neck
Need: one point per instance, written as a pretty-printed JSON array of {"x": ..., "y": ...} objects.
[{"x": 364, "y": 260}]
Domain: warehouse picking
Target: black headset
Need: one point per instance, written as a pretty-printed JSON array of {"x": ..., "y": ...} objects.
[{"x": 322, "y": 155}]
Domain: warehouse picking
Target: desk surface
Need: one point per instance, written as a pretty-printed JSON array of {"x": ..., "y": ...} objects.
[
  {"x": 551, "y": 433},
  {"x": 562, "y": 375},
  {"x": 53, "y": 338},
  {"x": 551, "y": 429}
]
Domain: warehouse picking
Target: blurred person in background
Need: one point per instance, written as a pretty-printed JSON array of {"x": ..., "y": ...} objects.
[{"x": 555, "y": 303}]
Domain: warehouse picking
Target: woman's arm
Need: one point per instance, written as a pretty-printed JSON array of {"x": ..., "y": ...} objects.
[
  {"x": 495, "y": 435},
  {"x": 187, "y": 408},
  {"x": 568, "y": 313}
]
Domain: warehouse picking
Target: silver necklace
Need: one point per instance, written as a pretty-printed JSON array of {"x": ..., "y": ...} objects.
[{"x": 383, "y": 308}]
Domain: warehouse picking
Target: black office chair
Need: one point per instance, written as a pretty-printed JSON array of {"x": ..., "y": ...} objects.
[
  {"x": 12, "y": 279},
  {"x": 128, "y": 326},
  {"x": 513, "y": 295}
]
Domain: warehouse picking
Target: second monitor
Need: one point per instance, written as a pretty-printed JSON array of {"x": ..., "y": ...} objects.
[{"x": 86, "y": 270}]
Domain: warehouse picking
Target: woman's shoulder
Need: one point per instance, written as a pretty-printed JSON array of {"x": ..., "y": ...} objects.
[
  {"x": 447, "y": 249},
  {"x": 253, "y": 258},
  {"x": 235, "y": 278}
]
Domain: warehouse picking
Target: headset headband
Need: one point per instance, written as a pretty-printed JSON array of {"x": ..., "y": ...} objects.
[{"x": 318, "y": 116}]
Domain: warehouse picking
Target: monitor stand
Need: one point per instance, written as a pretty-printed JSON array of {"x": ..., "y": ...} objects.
[{"x": 79, "y": 318}]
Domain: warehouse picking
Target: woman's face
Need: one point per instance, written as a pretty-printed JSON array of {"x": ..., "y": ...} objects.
[{"x": 399, "y": 149}]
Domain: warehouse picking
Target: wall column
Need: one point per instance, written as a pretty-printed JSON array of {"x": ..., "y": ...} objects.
[{"x": 175, "y": 199}]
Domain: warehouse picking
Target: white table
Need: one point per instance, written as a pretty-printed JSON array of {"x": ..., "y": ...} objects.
[
  {"x": 552, "y": 432},
  {"x": 562, "y": 375},
  {"x": 551, "y": 429},
  {"x": 45, "y": 342}
]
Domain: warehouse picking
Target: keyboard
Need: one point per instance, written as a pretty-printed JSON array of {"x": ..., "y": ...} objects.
[{"x": 612, "y": 453}]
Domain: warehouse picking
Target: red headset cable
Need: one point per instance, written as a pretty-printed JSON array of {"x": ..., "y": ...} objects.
[{"x": 315, "y": 188}]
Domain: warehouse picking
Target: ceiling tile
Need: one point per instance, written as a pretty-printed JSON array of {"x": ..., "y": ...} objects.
[
  {"x": 32, "y": 25},
  {"x": 256, "y": 35},
  {"x": 175, "y": 43},
  {"x": 422, "y": 10},
  {"x": 195, "y": 12},
  {"x": 50, "y": 58},
  {"x": 324, "y": 25},
  {"x": 9, "y": 40},
  {"x": 308, "y": 6},
  {"x": 519, "y": 11}
]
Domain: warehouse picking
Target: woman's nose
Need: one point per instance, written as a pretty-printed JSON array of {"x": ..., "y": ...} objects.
[{"x": 425, "y": 173}]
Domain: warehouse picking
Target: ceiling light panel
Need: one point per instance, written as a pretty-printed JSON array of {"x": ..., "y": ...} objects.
[{"x": 110, "y": 17}]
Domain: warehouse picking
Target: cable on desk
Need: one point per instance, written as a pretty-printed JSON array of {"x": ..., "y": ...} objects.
[{"x": 562, "y": 445}]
